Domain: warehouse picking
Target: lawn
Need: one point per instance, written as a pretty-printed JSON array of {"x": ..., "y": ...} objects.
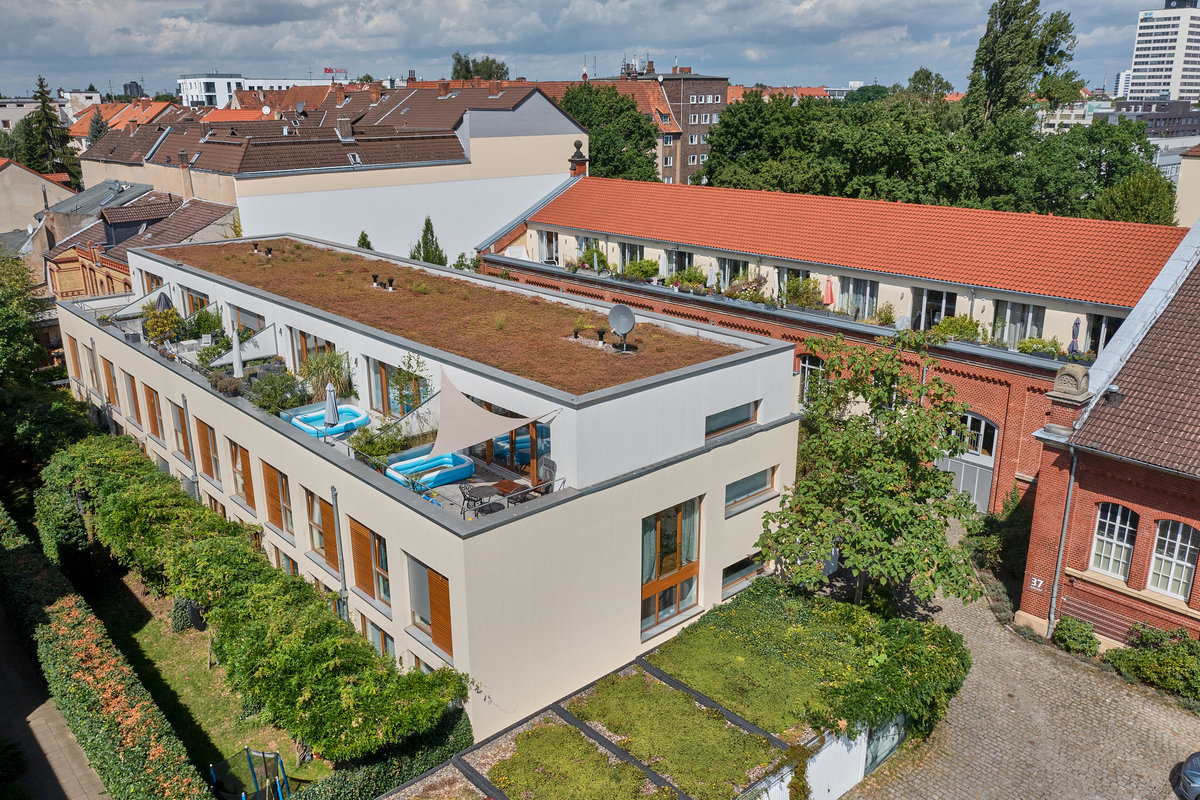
[
  {"x": 695, "y": 748},
  {"x": 206, "y": 714}
]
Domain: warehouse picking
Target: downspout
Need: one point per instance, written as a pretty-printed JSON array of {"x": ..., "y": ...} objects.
[
  {"x": 1062, "y": 545},
  {"x": 191, "y": 446},
  {"x": 343, "y": 594}
]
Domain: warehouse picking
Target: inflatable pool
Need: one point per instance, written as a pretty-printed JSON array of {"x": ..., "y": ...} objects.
[
  {"x": 313, "y": 423},
  {"x": 436, "y": 471}
]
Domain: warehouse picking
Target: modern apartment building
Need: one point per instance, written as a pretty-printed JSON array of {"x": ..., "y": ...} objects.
[
  {"x": 1166, "y": 53},
  {"x": 654, "y": 466},
  {"x": 217, "y": 88}
]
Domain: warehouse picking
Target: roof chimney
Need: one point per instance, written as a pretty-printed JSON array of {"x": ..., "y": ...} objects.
[
  {"x": 685, "y": 70},
  {"x": 344, "y": 131},
  {"x": 412, "y": 75},
  {"x": 443, "y": 88},
  {"x": 185, "y": 173},
  {"x": 578, "y": 161},
  {"x": 675, "y": 70},
  {"x": 375, "y": 90},
  {"x": 494, "y": 88},
  {"x": 649, "y": 67}
]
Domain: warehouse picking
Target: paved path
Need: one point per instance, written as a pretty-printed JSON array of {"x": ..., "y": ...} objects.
[
  {"x": 1033, "y": 723},
  {"x": 58, "y": 769}
]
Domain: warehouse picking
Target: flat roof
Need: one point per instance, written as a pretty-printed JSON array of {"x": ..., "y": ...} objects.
[{"x": 526, "y": 336}]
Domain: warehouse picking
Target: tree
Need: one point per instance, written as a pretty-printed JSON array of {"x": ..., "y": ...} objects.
[
  {"x": 364, "y": 241},
  {"x": 866, "y": 94},
  {"x": 866, "y": 481},
  {"x": 91, "y": 88},
  {"x": 165, "y": 97},
  {"x": 366, "y": 77},
  {"x": 427, "y": 248},
  {"x": 463, "y": 68},
  {"x": 96, "y": 128},
  {"x": 621, "y": 139},
  {"x": 1142, "y": 196},
  {"x": 49, "y": 142},
  {"x": 1021, "y": 56},
  {"x": 928, "y": 85}
]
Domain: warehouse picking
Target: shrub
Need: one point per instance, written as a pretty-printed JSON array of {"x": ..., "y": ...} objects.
[
  {"x": 377, "y": 443},
  {"x": 181, "y": 618},
  {"x": 205, "y": 321},
  {"x": 886, "y": 315},
  {"x": 1026, "y": 632},
  {"x": 962, "y": 328},
  {"x": 750, "y": 289},
  {"x": 161, "y": 326},
  {"x": 803, "y": 292},
  {"x": 210, "y": 353},
  {"x": 1034, "y": 345},
  {"x": 12, "y": 760},
  {"x": 692, "y": 276},
  {"x": 1076, "y": 636},
  {"x": 372, "y": 777},
  {"x": 642, "y": 269},
  {"x": 506, "y": 275},
  {"x": 1169, "y": 660},
  {"x": 228, "y": 385},
  {"x": 321, "y": 369},
  {"x": 276, "y": 391},
  {"x": 595, "y": 257}
]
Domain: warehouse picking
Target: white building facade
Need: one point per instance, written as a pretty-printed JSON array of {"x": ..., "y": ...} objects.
[
  {"x": 217, "y": 88},
  {"x": 1166, "y": 53}
]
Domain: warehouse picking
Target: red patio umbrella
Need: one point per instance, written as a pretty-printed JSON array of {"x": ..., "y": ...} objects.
[{"x": 828, "y": 298}]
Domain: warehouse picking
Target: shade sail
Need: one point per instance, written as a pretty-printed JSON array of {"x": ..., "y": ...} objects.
[
  {"x": 260, "y": 345},
  {"x": 462, "y": 424},
  {"x": 134, "y": 309}
]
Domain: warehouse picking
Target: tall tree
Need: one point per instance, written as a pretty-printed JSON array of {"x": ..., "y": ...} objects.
[
  {"x": 96, "y": 128},
  {"x": 463, "y": 68},
  {"x": 91, "y": 88},
  {"x": 621, "y": 139},
  {"x": 928, "y": 85},
  {"x": 1022, "y": 56},
  {"x": 427, "y": 248},
  {"x": 867, "y": 94},
  {"x": 364, "y": 241},
  {"x": 866, "y": 482},
  {"x": 1142, "y": 196},
  {"x": 50, "y": 141}
]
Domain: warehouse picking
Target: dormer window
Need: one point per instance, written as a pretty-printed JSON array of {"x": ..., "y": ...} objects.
[{"x": 354, "y": 159}]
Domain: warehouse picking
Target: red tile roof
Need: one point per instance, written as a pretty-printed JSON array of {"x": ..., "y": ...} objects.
[
  {"x": 120, "y": 116},
  {"x": 235, "y": 115},
  {"x": 1080, "y": 259},
  {"x": 735, "y": 93}
]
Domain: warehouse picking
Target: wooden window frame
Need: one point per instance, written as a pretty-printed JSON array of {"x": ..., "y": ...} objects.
[
  {"x": 192, "y": 301},
  {"x": 73, "y": 352},
  {"x": 770, "y": 487},
  {"x": 183, "y": 442},
  {"x": 134, "y": 405},
  {"x": 440, "y": 629},
  {"x": 151, "y": 281},
  {"x": 278, "y": 492},
  {"x": 381, "y": 575},
  {"x": 321, "y": 523},
  {"x": 751, "y": 421},
  {"x": 210, "y": 456},
  {"x": 362, "y": 557},
  {"x": 154, "y": 413},
  {"x": 665, "y": 580},
  {"x": 110, "y": 383},
  {"x": 243, "y": 479}
]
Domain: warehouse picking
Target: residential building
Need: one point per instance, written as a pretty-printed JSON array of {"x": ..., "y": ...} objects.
[
  {"x": 840, "y": 92},
  {"x": 654, "y": 467},
  {"x": 217, "y": 88},
  {"x": 1116, "y": 528},
  {"x": 1187, "y": 192},
  {"x": 794, "y": 93},
  {"x": 1165, "y": 119},
  {"x": 1056, "y": 120},
  {"x": 1123, "y": 84},
  {"x": 1164, "y": 67},
  {"x": 118, "y": 117},
  {"x": 363, "y": 161},
  {"x": 1022, "y": 276},
  {"x": 77, "y": 100},
  {"x": 14, "y": 109},
  {"x": 23, "y": 193}
]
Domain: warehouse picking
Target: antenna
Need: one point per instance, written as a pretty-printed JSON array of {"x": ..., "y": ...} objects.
[{"x": 621, "y": 320}]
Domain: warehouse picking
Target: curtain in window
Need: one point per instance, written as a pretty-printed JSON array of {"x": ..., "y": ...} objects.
[
  {"x": 649, "y": 546},
  {"x": 690, "y": 532}
]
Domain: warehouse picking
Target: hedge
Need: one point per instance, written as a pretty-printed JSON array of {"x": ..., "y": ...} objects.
[
  {"x": 1167, "y": 659},
  {"x": 125, "y": 736},
  {"x": 370, "y": 778},
  {"x": 282, "y": 645}
]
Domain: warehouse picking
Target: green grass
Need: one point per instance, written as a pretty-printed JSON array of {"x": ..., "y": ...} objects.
[
  {"x": 696, "y": 748},
  {"x": 556, "y": 762}
]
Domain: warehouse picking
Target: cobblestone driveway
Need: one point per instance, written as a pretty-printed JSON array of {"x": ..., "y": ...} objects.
[{"x": 1032, "y": 723}]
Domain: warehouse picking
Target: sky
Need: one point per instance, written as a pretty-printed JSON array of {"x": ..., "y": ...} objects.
[{"x": 776, "y": 42}]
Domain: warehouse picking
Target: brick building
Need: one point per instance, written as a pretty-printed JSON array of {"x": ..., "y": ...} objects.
[{"x": 1116, "y": 529}]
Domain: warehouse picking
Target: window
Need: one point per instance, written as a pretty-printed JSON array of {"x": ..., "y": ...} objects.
[
  {"x": 393, "y": 390},
  {"x": 369, "y": 551},
  {"x": 668, "y": 179},
  {"x": 730, "y": 268},
  {"x": 716, "y": 99},
  {"x": 692, "y": 159},
  {"x": 321, "y": 533},
  {"x": 749, "y": 487},
  {"x": 279, "y": 498},
  {"x": 736, "y": 417},
  {"x": 90, "y": 360},
  {"x": 703, "y": 157},
  {"x": 668, "y": 138},
  {"x": 740, "y": 570},
  {"x": 110, "y": 384},
  {"x": 355, "y": 160},
  {"x": 429, "y": 599},
  {"x": 693, "y": 118},
  {"x": 243, "y": 480},
  {"x": 154, "y": 412},
  {"x": 704, "y": 138},
  {"x": 305, "y": 345},
  {"x": 981, "y": 436},
  {"x": 182, "y": 439},
  {"x": 73, "y": 351},
  {"x": 131, "y": 392},
  {"x": 194, "y": 301},
  {"x": 929, "y": 306},
  {"x": 216, "y": 505},
  {"x": 692, "y": 99},
  {"x": 1016, "y": 321},
  {"x": 704, "y": 119},
  {"x": 151, "y": 281},
  {"x": 629, "y": 252},
  {"x": 670, "y": 552},
  {"x": 812, "y": 371},
  {"x": 668, "y": 161},
  {"x": 859, "y": 297},
  {"x": 1102, "y": 329},
  {"x": 247, "y": 319},
  {"x": 1174, "y": 558},
  {"x": 385, "y": 644},
  {"x": 1116, "y": 527},
  {"x": 693, "y": 139},
  {"x": 548, "y": 247},
  {"x": 716, "y": 118},
  {"x": 210, "y": 456}
]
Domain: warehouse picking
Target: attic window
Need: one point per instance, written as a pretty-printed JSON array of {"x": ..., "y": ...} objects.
[
  {"x": 455, "y": 93},
  {"x": 343, "y": 103},
  {"x": 193, "y": 161},
  {"x": 402, "y": 112},
  {"x": 663, "y": 117},
  {"x": 354, "y": 159},
  {"x": 497, "y": 94}
]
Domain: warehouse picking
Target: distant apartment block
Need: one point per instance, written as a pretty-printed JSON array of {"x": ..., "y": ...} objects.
[
  {"x": 217, "y": 88},
  {"x": 1165, "y": 61}
]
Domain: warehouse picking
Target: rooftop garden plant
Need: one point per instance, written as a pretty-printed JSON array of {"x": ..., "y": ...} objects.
[
  {"x": 277, "y": 391},
  {"x": 206, "y": 321},
  {"x": 1032, "y": 344},
  {"x": 744, "y": 287},
  {"x": 321, "y": 369},
  {"x": 803, "y": 292},
  {"x": 376, "y": 442},
  {"x": 695, "y": 748},
  {"x": 693, "y": 277},
  {"x": 961, "y": 327},
  {"x": 161, "y": 326},
  {"x": 594, "y": 256},
  {"x": 643, "y": 269}
]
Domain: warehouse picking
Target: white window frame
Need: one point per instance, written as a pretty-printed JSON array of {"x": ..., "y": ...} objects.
[
  {"x": 704, "y": 119},
  {"x": 692, "y": 101},
  {"x": 668, "y": 161},
  {"x": 1175, "y": 548},
  {"x": 693, "y": 138},
  {"x": 693, "y": 119},
  {"x": 692, "y": 159},
  {"x": 715, "y": 118},
  {"x": 703, "y": 157},
  {"x": 668, "y": 138},
  {"x": 1113, "y": 540}
]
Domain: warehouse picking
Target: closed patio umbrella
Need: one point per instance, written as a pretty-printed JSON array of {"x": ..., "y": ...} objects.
[
  {"x": 828, "y": 298},
  {"x": 163, "y": 302},
  {"x": 331, "y": 409},
  {"x": 1073, "y": 347}
]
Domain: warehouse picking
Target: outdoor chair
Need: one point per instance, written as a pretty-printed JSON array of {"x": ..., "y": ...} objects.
[{"x": 489, "y": 508}]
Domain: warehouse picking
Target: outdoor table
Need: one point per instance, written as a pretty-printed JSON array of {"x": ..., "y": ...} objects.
[{"x": 507, "y": 487}]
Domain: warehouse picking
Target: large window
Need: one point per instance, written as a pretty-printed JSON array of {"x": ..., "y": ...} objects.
[
  {"x": 182, "y": 440},
  {"x": 930, "y": 306},
  {"x": 385, "y": 644},
  {"x": 395, "y": 391},
  {"x": 73, "y": 352},
  {"x": 670, "y": 565},
  {"x": 812, "y": 371},
  {"x": 194, "y": 301},
  {"x": 135, "y": 408},
  {"x": 247, "y": 319},
  {"x": 321, "y": 534},
  {"x": 548, "y": 247},
  {"x": 749, "y": 487},
  {"x": 110, "y": 384},
  {"x": 210, "y": 456},
  {"x": 306, "y": 344},
  {"x": 981, "y": 436},
  {"x": 90, "y": 360},
  {"x": 736, "y": 417},
  {"x": 730, "y": 268},
  {"x": 243, "y": 480},
  {"x": 678, "y": 261},
  {"x": 151, "y": 281},
  {"x": 429, "y": 599},
  {"x": 740, "y": 571},
  {"x": 279, "y": 498},
  {"x": 859, "y": 297},
  {"x": 1174, "y": 558},
  {"x": 1016, "y": 321},
  {"x": 1116, "y": 527},
  {"x": 627, "y": 253},
  {"x": 154, "y": 412},
  {"x": 1101, "y": 330}
]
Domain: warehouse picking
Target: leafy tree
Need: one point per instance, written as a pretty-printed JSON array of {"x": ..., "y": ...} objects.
[
  {"x": 1022, "y": 55},
  {"x": 866, "y": 481},
  {"x": 91, "y": 88},
  {"x": 427, "y": 248},
  {"x": 928, "y": 85},
  {"x": 622, "y": 140},
  {"x": 165, "y": 97},
  {"x": 867, "y": 94},
  {"x": 96, "y": 128},
  {"x": 366, "y": 77},
  {"x": 464, "y": 68},
  {"x": 364, "y": 241},
  {"x": 1142, "y": 196}
]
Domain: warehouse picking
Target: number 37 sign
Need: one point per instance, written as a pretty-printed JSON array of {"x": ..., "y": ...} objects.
[{"x": 1037, "y": 584}]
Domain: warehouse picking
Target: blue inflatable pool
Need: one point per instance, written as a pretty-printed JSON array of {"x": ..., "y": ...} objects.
[
  {"x": 436, "y": 471},
  {"x": 313, "y": 423}
]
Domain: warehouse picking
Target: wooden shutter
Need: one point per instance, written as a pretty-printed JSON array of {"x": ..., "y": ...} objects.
[
  {"x": 185, "y": 441},
  {"x": 133, "y": 401},
  {"x": 330, "y": 535},
  {"x": 439, "y": 612},
  {"x": 109, "y": 381},
  {"x": 152, "y": 412},
  {"x": 202, "y": 432},
  {"x": 271, "y": 487},
  {"x": 360, "y": 551},
  {"x": 247, "y": 476}
]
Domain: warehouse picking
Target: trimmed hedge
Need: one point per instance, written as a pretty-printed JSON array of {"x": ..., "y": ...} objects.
[
  {"x": 281, "y": 643},
  {"x": 125, "y": 736},
  {"x": 369, "y": 778}
]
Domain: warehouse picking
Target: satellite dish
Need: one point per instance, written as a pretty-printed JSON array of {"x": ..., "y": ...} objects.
[
  {"x": 266, "y": 111},
  {"x": 300, "y": 107},
  {"x": 621, "y": 320}
]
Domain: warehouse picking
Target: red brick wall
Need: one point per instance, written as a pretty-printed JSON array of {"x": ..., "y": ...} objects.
[{"x": 1012, "y": 398}]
